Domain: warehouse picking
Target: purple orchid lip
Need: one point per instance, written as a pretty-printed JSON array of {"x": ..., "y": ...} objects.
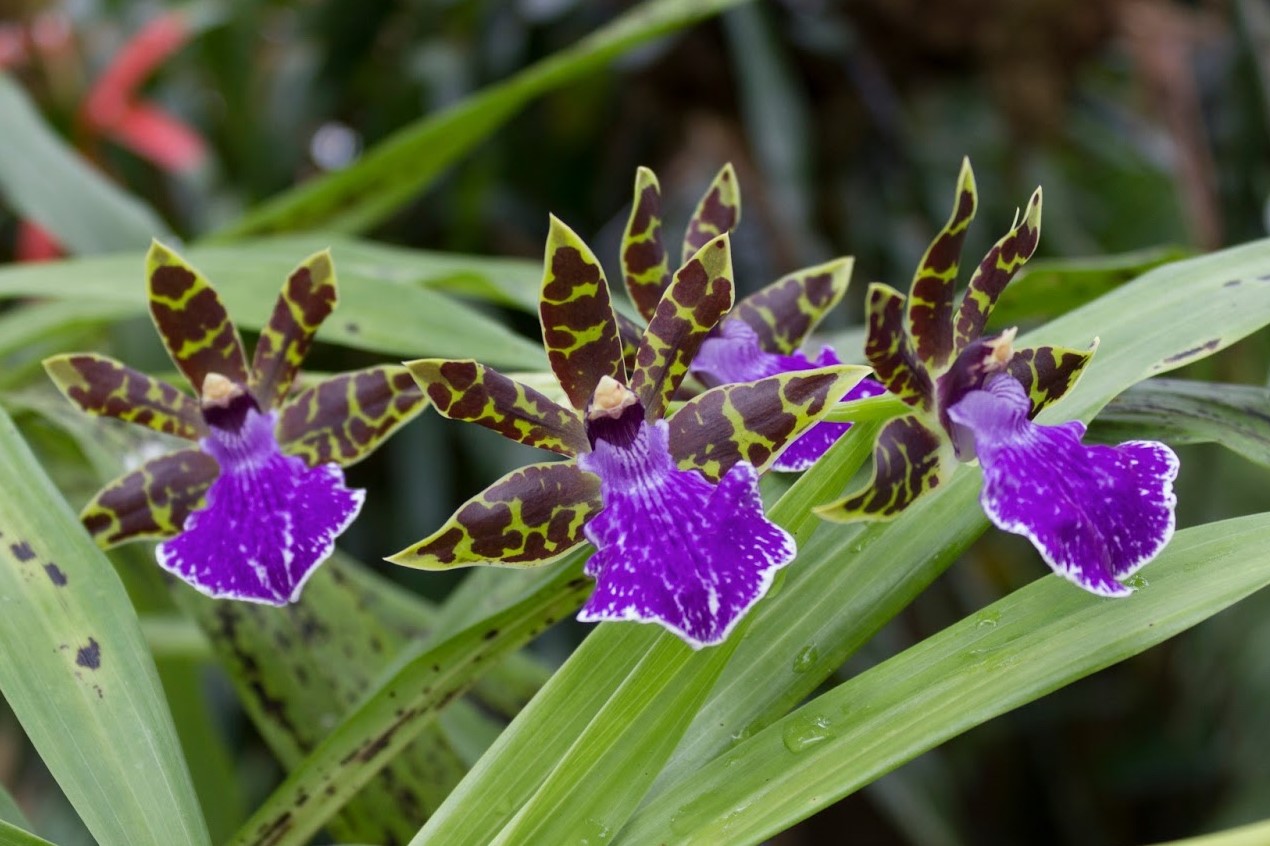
[{"x": 1096, "y": 514}]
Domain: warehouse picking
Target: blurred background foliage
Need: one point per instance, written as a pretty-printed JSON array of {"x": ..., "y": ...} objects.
[{"x": 1147, "y": 122}]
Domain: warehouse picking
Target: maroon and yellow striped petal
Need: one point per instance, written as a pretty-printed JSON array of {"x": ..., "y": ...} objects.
[
  {"x": 529, "y": 517},
  {"x": 151, "y": 501},
  {"x": 579, "y": 328},
  {"x": 785, "y": 312},
  {"x": 717, "y": 214},
  {"x": 307, "y": 297},
  {"x": 755, "y": 421},
  {"x": 930, "y": 302},
  {"x": 191, "y": 320},
  {"x": 465, "y": 390},
  {"x": 105, "y": 387},
  {"x": 1048, "y": 373},
  {"x": 700, "y": 294},
  {"x": 996, "y": 270},
  {"x": 645, "y": 265},
  {"x": 344, "y": 418},
  {"x": 909, "y": 460},
  {"x": 890, "y": 351}
]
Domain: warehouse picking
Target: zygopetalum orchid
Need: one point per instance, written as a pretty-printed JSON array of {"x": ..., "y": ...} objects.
[
  {"x": 763, "y": 334},
  {"x": 1095, "y": 513},
  {"x": 253, "y": 509},
  {"x": 671, "y": 505}
]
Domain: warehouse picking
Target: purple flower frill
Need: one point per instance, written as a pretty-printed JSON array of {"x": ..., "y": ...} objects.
[
  {"x": 269, "y": 520},
  {"x": 672, "y": 548},
  {"x": 1095, "y": 513},
  {"x": 732, "y": 354}
]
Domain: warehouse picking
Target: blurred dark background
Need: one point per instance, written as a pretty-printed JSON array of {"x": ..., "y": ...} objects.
[{"x": 1147, "y": 122}]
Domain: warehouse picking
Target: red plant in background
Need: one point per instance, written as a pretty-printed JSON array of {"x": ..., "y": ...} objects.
[{"x": 112, "y": 108}]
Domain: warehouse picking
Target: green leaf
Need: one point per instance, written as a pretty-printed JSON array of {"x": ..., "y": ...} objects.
[
  {"x": 386, "y": 304},
  {"x": 1256, "y": 834},
  {"x": 45, "y": 180},
  {"x": 67, "y": 611},
  {"x": 1020, "y": 648},
  {"x": 11, "y": 835},
  {"x": 407, "y": 702},
  {"x": 403, "y": 165},
  {"x": 1184, "y": 412}
]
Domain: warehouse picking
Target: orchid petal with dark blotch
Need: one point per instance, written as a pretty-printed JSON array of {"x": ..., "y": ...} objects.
[
  {"x": 151, "y": 501},
  {"x": 308, "y": 297},
  {"x": 755, "y": 421},
  {"x": 718, "y": 212},
  {"x": 645, "y": 264},
  {"x": 699, "y": 295},
  {"x": 930, "y": 301},
  {"x": 192, "y": 321},
  {"x": 807, "y": 449},
  {"x": 890, "y": 349},
  {"x": 674, "y": 549},
  {"x": 786, "y": 312},
  {"x": 579, "y": 329},
  {"x": 910, "y": 459},
  {"x": 345, "y": 418},
  {"x": 269, "y": 520},
  {"x": 1095, "y": 513},
  {"x": 995, "y": 272},
  {"x": 109, "y": 388},
  {"x": 1048, "y": 373},
  {"x": 465, "y": 390},
  {"x": 529, "y": 517}
]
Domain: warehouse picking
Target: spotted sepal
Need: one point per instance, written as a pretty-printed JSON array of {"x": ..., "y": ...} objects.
[
  {"x": 930, "y": 302},
  {"x": 465, "y": 390},
  {"x": 344, "y": 419},
  {"x": 699, "y": 295},
  {"x": 307, "y": 298},
  {"x": 908, "y": 461},
  {"x": 529, "y": 517},
  {"x": 890, "y": 350},
  {"x": 151, "y": 501},
  {"x": 105, "y": 387},
  {"x": 785, "y": 312},
  {"x": 755, "y": 421},
  {"x": 191, "y": 320},
  {"x": 996, "y": 270},
  {"x": 1048, "y": 373},
  {"x": 645, "y": 265},
  {"x": 717, "y": 214},
  {"x": 579, "y": 328}
]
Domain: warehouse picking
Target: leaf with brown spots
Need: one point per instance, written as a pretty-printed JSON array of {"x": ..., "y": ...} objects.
[
  {"x": 346, "y": 417},
  {"x": 191, "y": 320},
  {"x": 307, "y": 298},
  {"x": 529, "y": 517},
  {"x": 890, "y": 351},
  {"x": 930, "y": 300},
  {"x": 755, "y": 421},
  {"x": 717, "y": 214},
  {"x": 700, "y": 294},
  {"x": 1048, "y": 373},
  {"x": 579, "y": 328},
  {"x": 108, "y": 388},
  {"x": 996, "y": 270},
  {"x": 645, "y": 265},
  {"x": 151, "y": 501},
  {"x": 909, "y": 461},
  {"x": 465, "y": 390},
  {"x": 785, "y": 312}
]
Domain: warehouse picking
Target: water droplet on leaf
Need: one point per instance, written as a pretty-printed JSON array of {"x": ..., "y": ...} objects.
[
  {"x": 806, "y": 658},
  {"x": 806, "y": 731}
]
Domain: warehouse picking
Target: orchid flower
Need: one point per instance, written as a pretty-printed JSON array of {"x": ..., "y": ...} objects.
[
  {"x": 671, "y": 505},
  {"x": 252, "y": 510},
  {"x": 761, "y": 336},
  {"x": 1096, "y": 514}
]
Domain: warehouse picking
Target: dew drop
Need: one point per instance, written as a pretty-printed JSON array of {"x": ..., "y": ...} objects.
[
  {"x": 804, "y": 732},
  {"x": 1137, "y": 581},
  {"x": 989, "y": 619},
  {"x": 806, "y": 658}
]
